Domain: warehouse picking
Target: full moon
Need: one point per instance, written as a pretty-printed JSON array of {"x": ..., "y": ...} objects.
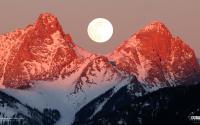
[{"x": 100, "y": 30}]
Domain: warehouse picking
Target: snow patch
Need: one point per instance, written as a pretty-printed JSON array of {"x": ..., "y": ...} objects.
[{"x": 142, "y": 68}]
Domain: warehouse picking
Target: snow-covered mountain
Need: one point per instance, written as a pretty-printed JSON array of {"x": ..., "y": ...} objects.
[
  {"x": 38, "y": 52},
  {"x": 41, "y": 67},
  {"x": 157, "y": 58}
]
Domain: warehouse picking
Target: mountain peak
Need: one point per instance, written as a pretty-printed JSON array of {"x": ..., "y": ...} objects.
[
  {"x": 48, "y": 22},
  {"x": 156, "y": 27},
  {"x": 155, "y": 57},
  {"x": 158, "y": 23},
  {"x": 38, "y": 52},
  {"x": 47, "y": 17}
]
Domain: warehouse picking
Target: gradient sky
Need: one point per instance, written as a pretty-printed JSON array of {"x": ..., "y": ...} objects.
[{"x": 182, "y": 17}]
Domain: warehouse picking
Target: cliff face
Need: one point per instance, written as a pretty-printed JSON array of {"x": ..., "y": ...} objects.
[
  {"x": 155, "y": 57},
  {"x": 36, "y": 53}
]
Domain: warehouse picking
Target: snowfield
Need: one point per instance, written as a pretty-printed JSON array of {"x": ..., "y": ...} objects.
[{"x": 59, "y": 95}]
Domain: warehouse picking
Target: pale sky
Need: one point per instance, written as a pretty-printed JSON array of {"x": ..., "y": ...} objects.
[{"x": 182, "y": 17}]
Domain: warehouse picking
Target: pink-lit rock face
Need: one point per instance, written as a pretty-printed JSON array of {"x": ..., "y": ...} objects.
[
  {"x": 156, "y": 57},
  {"x": 38, "y": 52},
  {"x": 42, "y": 51}
]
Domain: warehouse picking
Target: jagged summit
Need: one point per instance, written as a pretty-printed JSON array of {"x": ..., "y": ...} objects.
[
  {"x": 39, "y": 52},
  {"x": 50, "y": 17},
  {"x": 155, "y": 28},
  {"x": 46, "y": 22},
  {"x": 156, "y": 57},
  {"x": 47, "y": 19}
]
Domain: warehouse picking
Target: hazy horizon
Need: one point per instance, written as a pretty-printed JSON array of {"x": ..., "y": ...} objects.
[{"x": 127, "y": 17}]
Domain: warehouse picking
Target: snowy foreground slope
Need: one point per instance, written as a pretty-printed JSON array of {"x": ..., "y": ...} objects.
[
  {"x": 12, "y": 111},
  {"x": 43, "y": 69},
  {"x": 59, "y": 95}
]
